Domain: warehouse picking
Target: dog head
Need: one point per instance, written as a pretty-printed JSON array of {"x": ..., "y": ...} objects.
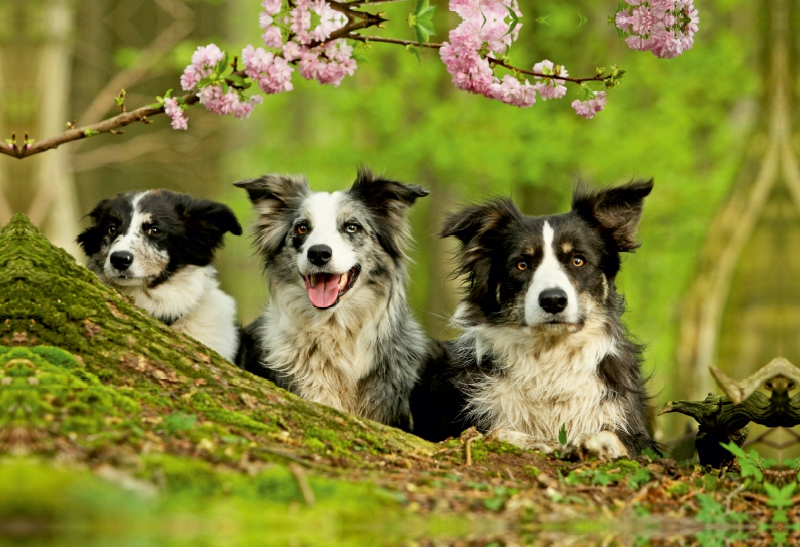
[
  {"x": 139, "y": 239},
  {"x": 330, "y": 244},
  {"x": 553, "y": 272}
]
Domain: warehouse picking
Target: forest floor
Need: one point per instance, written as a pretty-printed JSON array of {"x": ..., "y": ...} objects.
[{"x": 114, "y": 426}]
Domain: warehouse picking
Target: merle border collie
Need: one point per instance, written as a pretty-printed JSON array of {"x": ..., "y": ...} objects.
[
  {"x": 338, "y": 329},
  {"x": 542, "y": 341},
  {"x": 157, "y": 247}
]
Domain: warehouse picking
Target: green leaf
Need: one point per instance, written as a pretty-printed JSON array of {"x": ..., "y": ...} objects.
[
  {"x": 780, "y": 497},
  {"x": 543, "y": 20},
  {"x": 236, "y": 79},
  {"x": 562, "y": 435},
  {"x": 415, "y": 51},
  {"x": 583, "y": 20},
  {"x": 514, "y": 20}
]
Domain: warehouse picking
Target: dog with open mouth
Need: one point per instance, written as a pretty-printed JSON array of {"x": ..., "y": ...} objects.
[
  {"x": 158, "y": 247},
  {"x": 338, "y": 329},
  {"x": 542, "y": 344}
]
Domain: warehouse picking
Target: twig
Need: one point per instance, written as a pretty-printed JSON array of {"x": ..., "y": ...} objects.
[
  {"x": 120, "y": 120},
  {"x": 729, "y": 497},
  {"x": 302, "y": 481},
  {"x": 468, "y": 449},
  {"x": 755, "y": 497}
]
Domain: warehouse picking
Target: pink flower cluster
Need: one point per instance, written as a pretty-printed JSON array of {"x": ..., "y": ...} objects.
[
  {"x": 175, "y": 112},
  {"x": 665, "y": 27},
  {"x": 588, "y": 108},
  {"x": 486, "y": 34},
  {"x": 318, "y": 58}
]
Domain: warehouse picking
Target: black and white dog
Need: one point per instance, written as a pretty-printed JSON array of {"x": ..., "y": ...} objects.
[
  {"x": 543, "y": 344},
  {"x": 157, "y": 247},
  {"x": 337, "y": 329}
]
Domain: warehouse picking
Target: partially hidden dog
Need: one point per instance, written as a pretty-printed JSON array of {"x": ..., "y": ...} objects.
[
  {"x": 157, "y": 247},
  {"x": 337, "y": 329},
  {"x": 543, "y": 345}
]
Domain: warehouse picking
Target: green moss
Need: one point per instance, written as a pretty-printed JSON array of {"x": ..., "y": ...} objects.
[
  {"x": 502, "y": 447},
  {"x": 532, "y": 471},
  {"x": 678, "y": 490},
  {"x": 478, "y": 451}
]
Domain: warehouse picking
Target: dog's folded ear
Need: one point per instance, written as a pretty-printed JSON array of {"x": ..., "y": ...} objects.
[
  {"x": 92, "y": 237},
  {"x": 614, "y": 210},
  {"x": 471, "y": 223},
  {"x": 207, "y": 222},
  {"x": 389, "y": 200},
  {"x": 478, "y": 228},
  {"x": 274, "y": 197}
]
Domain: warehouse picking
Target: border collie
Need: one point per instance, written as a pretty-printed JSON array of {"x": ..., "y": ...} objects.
[
  {"x": 157, "y": 247},
  {"x": 337, "y": 329},
  {"x": 543, "y": 344}
]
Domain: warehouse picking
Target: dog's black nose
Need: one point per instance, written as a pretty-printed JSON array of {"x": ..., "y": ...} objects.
[
  {"x": 121, "y": 260},
  {"x": 319, "y": 255},
  {"x": 553, "y": 300}
]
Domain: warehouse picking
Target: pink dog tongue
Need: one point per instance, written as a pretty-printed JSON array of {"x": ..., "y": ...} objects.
[{"x": 325, "y": 292}]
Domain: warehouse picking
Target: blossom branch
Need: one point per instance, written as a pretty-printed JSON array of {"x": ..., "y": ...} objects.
[
  {"x": 110, "y": 125},
  {"x": 492, "y": 60}
]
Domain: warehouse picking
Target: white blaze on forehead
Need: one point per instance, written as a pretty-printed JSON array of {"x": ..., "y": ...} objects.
[
  {"x": 322, "y": 210},
  {"x": 147, "y": 260},
  {"x": 550, "y": 274}
]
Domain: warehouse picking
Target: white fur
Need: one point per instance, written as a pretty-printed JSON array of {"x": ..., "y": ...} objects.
[
  {"x": 193, "y": 295},
  {"x": 550, "y": 275},
  {"x": 548, "y": 379},
  {"x": 322, "y": 209}
]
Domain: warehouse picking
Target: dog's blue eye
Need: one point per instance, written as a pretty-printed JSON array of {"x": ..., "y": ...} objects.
[
  {"x": 351, "y": 228},
  {"x": 112, "y": 230}
]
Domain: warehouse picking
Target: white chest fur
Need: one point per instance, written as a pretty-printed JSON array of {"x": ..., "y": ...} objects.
[
  {"x": 544, "y": 383},
  {"x": 325, "y": 352},
  {"x": 203, "y": 311}
]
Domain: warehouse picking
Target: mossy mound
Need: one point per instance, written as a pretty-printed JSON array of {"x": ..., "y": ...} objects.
[{"x": 124, "y": 384}]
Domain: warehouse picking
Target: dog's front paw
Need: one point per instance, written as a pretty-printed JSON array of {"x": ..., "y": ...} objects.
[
  {"x": 604, "y": 445},
  {"x": 522, "y": 440}
]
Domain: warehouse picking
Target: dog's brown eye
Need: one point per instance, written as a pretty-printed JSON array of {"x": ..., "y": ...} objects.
[
  {"x": 522, "y": 265},
  {"x": 153, "y": 231},
  {"x": 302, "y": 229},
  {"x": 351, "y": 228},
  {"x": 578, "y": 261},
  {"x": 112, "y": 230}
]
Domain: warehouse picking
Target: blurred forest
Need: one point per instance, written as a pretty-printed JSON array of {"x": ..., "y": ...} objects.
[{"x": 698, "y": 124}]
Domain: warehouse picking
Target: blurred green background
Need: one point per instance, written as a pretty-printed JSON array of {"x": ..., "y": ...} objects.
[{"x": 696, "y": 124}]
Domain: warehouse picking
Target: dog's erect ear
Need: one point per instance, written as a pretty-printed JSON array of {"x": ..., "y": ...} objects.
[
  {"x": 389, "y": 200},
  {"x": 478, "y": 228},
  {"x": 615, "y": 211},
  {"x": 91, "y": 238},
  {"x": 274, "y": 197},
  {"x": 388, "y": 197},
  {"x": 208, "y": 221}
]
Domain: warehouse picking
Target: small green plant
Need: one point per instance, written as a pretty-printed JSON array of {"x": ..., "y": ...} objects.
[{"x": 179, "y": 421}]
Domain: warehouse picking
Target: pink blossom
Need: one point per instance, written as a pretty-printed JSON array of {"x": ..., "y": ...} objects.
[
  {"x": 291, "y": 51},
  {"x": 330, "y": 20},
  {"x": 175, "y": 112},
  {"x": 664, "y": 27},
  {"x": 204, "y": 60},
  {"x": 550, "y": 88},
  {"x": 588, "y": 108},
  {"x": 272, "y": 37},
  {"x": 514, "y": 92},
  {"x": 328, "y": 63},
  {"x": 272, "y": 7}
]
